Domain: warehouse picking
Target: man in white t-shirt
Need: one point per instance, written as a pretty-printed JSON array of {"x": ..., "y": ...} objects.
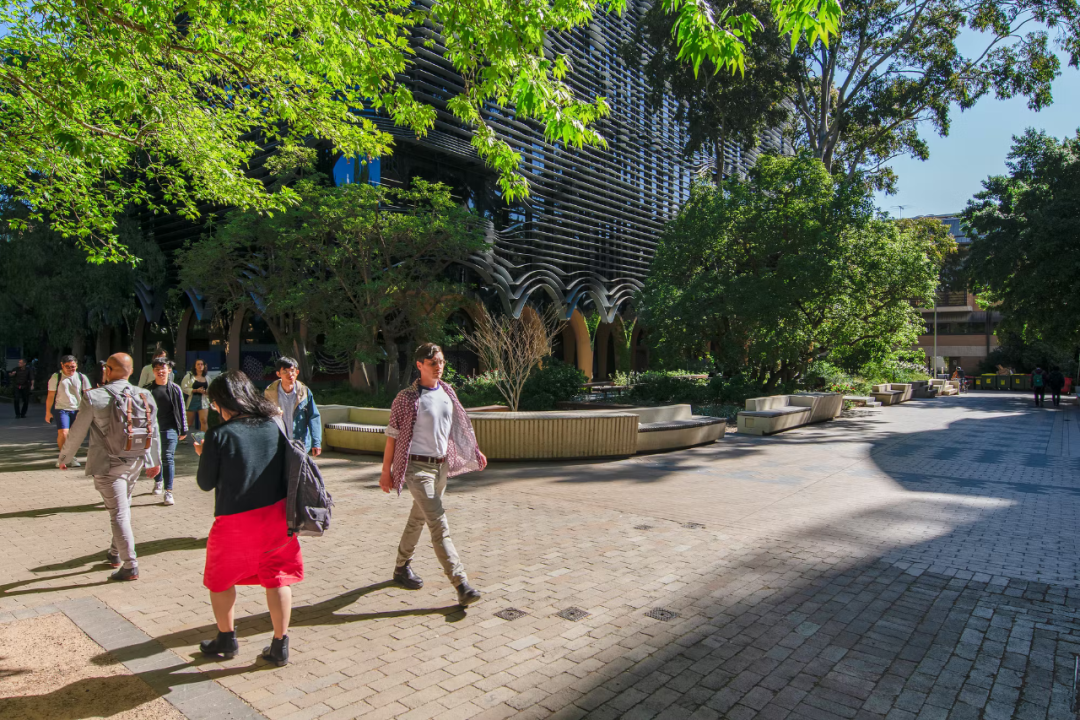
[
  {"x": 428, "y": 439},
  {"x": 147, "y": 375},
  {"x": 66, "y": 389}
]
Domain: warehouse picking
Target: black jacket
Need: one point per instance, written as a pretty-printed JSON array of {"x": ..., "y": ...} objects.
[
  {"x": 1055, "y": 380},
  {"x": 243, "y": 461},
  {"x": 177, "y": 398}
]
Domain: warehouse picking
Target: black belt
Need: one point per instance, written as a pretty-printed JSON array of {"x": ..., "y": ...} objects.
[{"x": 428, "y": 459}]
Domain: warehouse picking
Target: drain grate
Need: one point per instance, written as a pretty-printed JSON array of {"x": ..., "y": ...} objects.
[
  {"x": 693, "y": 526},
  {"x": 643, "y": 527},
  {"x": 572, "y": 613},
  {"x": 510, "y": 614},
  {"x": 662, "y": 614}
]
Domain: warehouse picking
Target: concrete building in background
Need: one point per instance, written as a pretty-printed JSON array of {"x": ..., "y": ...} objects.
[{"x": 965, "y": 334}]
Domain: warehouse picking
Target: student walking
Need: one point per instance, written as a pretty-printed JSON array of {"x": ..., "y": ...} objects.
[
  {"x": 1056, "y": 381},
  {"x": 171, "y": 422},
  {"x": 1038, "y": 384},
  {"x": 22, "y": 381},
  {"x": 122, "y": 445},
  {"x": 298, "y": 409},
  {"x": 194, "y": 385},
  {"x": 66, "y": 389},
  {"x": 429, "y": 438},
  {"x": 147, "y": 375},
  {"x": 243, "y": 461}
]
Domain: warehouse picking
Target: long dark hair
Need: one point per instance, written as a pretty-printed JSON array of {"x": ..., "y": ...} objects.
[{"x": 234, "y": 392}]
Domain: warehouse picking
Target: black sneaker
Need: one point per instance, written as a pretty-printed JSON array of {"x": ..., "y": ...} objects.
[
  {"x": 277, "y": 651},
  {"x": 466, "y": 594},
  {"x": 405, "y": 577},
  {"x": 125, "y": 574},
  {"x": 224, "y": 645},
  {"x": 112, "y": 560}
]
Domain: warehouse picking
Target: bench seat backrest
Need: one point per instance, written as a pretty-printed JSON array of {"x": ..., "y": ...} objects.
[{"x": 369, "y": 416}]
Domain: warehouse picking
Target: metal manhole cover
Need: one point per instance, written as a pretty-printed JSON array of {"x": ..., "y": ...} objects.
[
  {"x": 643, "y": 527},
  {"x": 693, "y": 526},
  {"x": 572, "y": 613},
  {"x": 662, "y": 614},
  {"x": 510, "y": 614}
]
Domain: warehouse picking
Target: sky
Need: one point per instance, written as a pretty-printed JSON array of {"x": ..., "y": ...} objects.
[{"x": 976, "y": 147}]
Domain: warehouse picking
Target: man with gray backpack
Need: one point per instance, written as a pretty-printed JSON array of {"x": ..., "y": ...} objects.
[{"x": 121, "y": 420}]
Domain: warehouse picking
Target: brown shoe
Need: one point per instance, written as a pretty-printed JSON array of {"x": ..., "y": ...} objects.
[{"x": 125, "y": 574}]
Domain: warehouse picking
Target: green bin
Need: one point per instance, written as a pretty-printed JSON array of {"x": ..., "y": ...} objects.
[
  {"x": 1021, "y": 382},
  {"x": 1001, "y": 382}
]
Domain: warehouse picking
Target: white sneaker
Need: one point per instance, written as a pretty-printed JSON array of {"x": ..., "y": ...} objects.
[
  {"x": 159, "y": 486},
  {"x": 75, "y": 463},
  {"x": 57, "y": 463},
  {"x": 168, "y": 498}
]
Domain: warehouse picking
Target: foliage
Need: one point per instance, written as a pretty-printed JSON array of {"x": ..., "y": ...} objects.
[
  {"x": 786, "y": 267},
  {"x": 344, "y": 395},
  {"x": 47, "y": 287},
  {"x": 1023, "y": 357},
  {"x": 513, "y": 347},
  {"x": 479, "y": 390},
  {"x": 363, "y": 264},
  {"x": 716, "y": 107},
  {"x": 896, "y": 65},
  {"x": 1024, "y": 259},
  {"x": 112, "y": 104},
  {"x": 551, "y": 383},
  {"x": 829, "y": 377}
]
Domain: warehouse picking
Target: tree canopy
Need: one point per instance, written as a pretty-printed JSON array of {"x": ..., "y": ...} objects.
[
  {"x": 362, "y": 264},
  {"x": 161, "y": 104},
  {"x": 717, "y": 107},
  {"x": 1024, "y": 258},
  {"x": 785, "y": 267},
  {"x": 860, "y": 100}
]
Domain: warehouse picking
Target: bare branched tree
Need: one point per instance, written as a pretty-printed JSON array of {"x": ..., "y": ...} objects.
[{"x": 513, "y": 347}]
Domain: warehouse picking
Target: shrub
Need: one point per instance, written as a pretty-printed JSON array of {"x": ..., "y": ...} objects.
[{"x": 554, "y": 382}]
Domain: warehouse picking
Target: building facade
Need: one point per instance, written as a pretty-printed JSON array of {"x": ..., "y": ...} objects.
[
  {"x": 587, "y": 233},
  {"x": 965, "y": 333}
]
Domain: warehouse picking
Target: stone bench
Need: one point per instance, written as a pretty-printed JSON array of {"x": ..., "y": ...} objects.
[
  {"x": 353, "y": 429},
  {"x": 776, "y": 413},
  {"x": 946, "y": 387},
  {"x": 891, "y": 393},
  {"x": 555, "y": 435},
  {"x": 862, "y": 400},
  {"x": 669, "y": 427}
]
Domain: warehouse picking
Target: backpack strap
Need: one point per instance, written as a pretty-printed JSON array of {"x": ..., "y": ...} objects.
[{"x": 130, "y": 427}]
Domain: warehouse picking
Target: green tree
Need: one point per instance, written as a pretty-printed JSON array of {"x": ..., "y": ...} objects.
[
  {"x": 717, "y": 107},
  {"x": 896, "y": 64},
  {"x": 363, "y": 264},
  {"x": 1024, "y": 259},
  {"x": 50, "y": 295},
  {"x": 163, "y": 104},
  {"x": 786, "y": 267}
]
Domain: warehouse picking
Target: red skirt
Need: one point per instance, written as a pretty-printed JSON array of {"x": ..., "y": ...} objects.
[{"x": 252, "y": 548}]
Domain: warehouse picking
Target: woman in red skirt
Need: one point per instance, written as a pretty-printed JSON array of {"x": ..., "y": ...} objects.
[{"x": 243, "y": 462}]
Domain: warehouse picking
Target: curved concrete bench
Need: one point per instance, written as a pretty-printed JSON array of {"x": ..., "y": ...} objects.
[
  {"x": 353, "y": 429},
  {"x": 679, "y": 433},
  {"x": 776, "y": 413},
  {"x": 555, "y": 435}
]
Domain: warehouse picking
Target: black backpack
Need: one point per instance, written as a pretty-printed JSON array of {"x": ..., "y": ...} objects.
[{"x": 307, "y": 508}]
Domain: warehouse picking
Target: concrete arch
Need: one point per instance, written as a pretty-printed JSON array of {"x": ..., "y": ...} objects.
[
  {"x": 180, "y": 351},
  {"x": 582, "y": 344}
]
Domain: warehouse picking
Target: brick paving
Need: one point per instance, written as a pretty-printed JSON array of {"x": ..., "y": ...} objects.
[{"x": 918, "y": 562}]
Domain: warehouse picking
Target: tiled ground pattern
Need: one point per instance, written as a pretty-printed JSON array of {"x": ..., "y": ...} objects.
[{"x": 918, "y": 562}]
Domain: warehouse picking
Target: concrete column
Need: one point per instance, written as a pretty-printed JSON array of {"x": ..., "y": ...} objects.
[
  {"x": 236, "y": 330},
  {"x": 180, "y": 351},
  {"x": 581, "y": 343}
]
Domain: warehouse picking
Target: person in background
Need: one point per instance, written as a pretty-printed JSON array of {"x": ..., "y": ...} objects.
[
  {"x": 147, "y": 375},
  {"x": 243, "y": 461},
  {"x": 297, "y": 405},
  {"x": 172, "y": 424},
  {"x": 22, "y": 381},
  {"x": 1038, "y": 384},
  {"x": 66, "y": 389},
  {"x": 429, "y": 438},
  {"x": 1056, "y": 381},
  {"x": 194, "y": 385},
  {"x": 114, "y": 477},
  {"x": 102, "y": 374}
]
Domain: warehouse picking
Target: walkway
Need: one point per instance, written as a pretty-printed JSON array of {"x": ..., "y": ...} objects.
[{"x": 920, "y": 562}]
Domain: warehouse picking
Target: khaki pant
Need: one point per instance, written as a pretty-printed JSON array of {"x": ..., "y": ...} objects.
[
  {"x": 427, "y": 483},
  {"x": 116, "y": 489}
]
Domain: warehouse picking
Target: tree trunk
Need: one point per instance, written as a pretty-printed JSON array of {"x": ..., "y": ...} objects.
[
  {"x": 393, "y": 369},
  {"x": 78, "y": 345},
  {"x": 362, "y": 376},
  {"x": 721, "y": 157}
]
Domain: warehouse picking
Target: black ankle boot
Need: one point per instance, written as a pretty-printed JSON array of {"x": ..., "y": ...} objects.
[
  {"x": 224, "y": 644},
  {"x": 405, "y": 577},
  {"x": 277, "y": 651}
]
